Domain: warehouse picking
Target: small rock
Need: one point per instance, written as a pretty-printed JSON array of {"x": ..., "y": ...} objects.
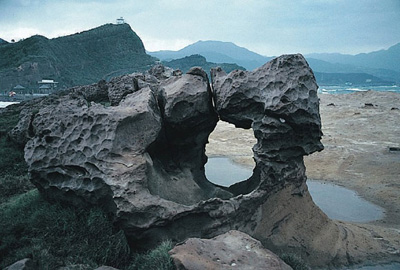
[
  {"x": 106, "y": 268},
  {"x": 24, "y": 264},
  {"x": 232, "y": 250},
  {"x": 76, "y": 267},
  {"x": 369, "y": 105},
  {"x": 331, "y": 104}
]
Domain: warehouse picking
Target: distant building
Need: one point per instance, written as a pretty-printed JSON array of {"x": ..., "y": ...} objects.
[
  {"x": 47, "y": 86},
  {"x": 18, "y": 89},
  {"x": 120, "y": 20}
]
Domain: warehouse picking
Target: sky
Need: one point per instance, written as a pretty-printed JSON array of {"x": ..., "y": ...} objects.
[{"x": 268, "y": 27}]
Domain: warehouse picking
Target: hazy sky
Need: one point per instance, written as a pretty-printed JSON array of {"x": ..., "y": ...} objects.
[{"x": 269, "y": 27}]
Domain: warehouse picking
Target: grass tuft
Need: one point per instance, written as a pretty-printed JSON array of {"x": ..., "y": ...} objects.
[
  {"x": 14, "y": 175},
  {"x": 294, "y": 261},
  {"x": 157, "y": 259}
]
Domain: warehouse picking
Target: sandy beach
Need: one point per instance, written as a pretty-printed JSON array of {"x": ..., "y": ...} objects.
[{"x": 361, "y": 136}]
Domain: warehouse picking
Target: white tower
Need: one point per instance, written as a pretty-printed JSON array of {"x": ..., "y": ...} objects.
[{"x": 120, "y": 20}]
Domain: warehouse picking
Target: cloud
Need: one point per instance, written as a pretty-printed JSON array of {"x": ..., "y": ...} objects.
[{"x": 268, "y": 27}]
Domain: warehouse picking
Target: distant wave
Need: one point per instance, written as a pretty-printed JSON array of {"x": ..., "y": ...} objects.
[
  {"x": 4, "y": 104},
  {"x": 358, "y": 89},
  {"x": 335, "y": 89}
]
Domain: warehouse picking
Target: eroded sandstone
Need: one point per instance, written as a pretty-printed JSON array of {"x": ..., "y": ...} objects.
[{"x": 142, "y": 158}]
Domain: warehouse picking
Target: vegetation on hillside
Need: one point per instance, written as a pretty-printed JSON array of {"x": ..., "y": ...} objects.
[{"x": 79, "y": 59}]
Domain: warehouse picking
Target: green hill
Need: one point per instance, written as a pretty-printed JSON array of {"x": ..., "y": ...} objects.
[
  {"x": 187, "y": 62},
  {"x": 83, "y": 58}
]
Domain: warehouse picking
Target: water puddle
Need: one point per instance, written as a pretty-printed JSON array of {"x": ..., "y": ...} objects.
[
  {"x": 224, "y": 172},
  {"x": 337, "y": 202},
  {"x": 391, "y": 266},
  {"x": 343, "y": 204}
]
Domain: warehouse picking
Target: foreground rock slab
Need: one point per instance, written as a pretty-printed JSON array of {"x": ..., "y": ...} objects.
[{"x": 232, "y": 250}]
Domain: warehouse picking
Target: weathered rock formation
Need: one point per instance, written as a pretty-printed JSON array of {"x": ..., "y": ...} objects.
[
  {"x": 232, "y": 250},
  {"x": 142, "y": 158}
]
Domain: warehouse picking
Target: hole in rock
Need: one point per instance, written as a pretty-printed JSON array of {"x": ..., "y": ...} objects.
[
  {"x": 175, "y": 165},
  {"x": 230, "y": 155}
]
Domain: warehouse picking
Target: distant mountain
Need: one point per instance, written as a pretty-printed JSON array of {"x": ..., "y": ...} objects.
[
  {"x": 2, "y": 41},
  {"x": 83, "y": 58},
  {"x": 217, "y": 52},
  {"x": 382, "y": 64},
  {"x": 184, "y": 64},
  {"x": 384, "y": 59}
]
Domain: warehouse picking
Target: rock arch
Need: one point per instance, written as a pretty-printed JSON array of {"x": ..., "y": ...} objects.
[{"x": 143, "y": 158}]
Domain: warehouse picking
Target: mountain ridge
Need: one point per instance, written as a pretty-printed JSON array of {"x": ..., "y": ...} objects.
[
  {"x": 384, "y": 59},
  {"x": 373, "y": 63},
  {"x": 217, "y": 52}
]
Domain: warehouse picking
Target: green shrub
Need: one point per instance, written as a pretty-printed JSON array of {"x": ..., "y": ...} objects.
[
  {"x": 14, "y": 174},
  {"x": 294, "y": 261},
  {"x": 11, "y": 185},
  {"x": 157, "y": 259},
  {"x": 55, "y": 236}
]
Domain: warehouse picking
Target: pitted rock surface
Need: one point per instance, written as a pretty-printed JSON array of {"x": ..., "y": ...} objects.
[
  {"x": 142, "y": 158},
  {"x": 279, "y": 102}
]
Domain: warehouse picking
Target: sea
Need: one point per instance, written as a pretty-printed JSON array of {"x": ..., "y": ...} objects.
[
  {"x": 332, "y": 89},
  {"x": 346, "y": 89},
  {"x": 4, "y": 104}
]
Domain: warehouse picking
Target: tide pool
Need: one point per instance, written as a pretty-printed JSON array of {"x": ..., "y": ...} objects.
[{"x": 335, "y": 201}]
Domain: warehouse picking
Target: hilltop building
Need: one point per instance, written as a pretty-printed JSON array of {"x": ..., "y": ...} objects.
[{"x": 120, "y": 20}]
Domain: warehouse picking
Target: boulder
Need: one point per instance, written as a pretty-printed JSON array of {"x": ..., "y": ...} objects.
[{"x": 232, "y": 250}]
